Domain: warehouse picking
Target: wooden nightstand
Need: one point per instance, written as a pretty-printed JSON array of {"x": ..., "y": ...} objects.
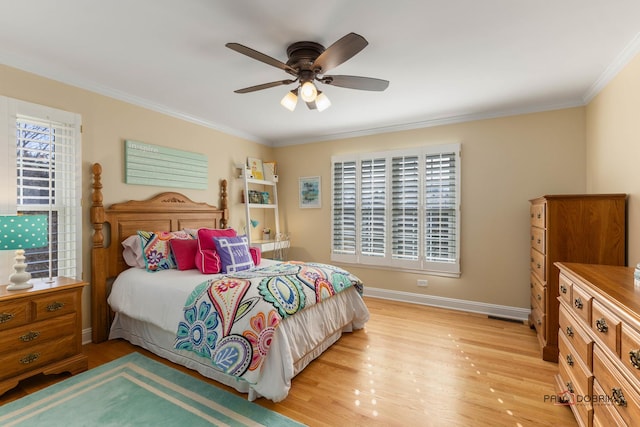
[{"x": 41, "y": 330}]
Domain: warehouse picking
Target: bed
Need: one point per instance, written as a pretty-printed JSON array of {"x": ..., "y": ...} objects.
[{"x": 149, "y": 309}]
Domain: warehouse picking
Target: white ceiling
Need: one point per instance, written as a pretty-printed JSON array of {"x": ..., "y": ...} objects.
[{"x": 446, "y": 60}]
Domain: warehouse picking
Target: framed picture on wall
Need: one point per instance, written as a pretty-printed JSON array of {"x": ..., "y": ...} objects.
[{"x": 309, "y": 191}]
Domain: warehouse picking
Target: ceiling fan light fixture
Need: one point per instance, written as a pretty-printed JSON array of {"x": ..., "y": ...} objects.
[
  {"x": 308, "y": 91},
  {"x": 290, "y": 100},
  {"x": 322, "y": 102}
]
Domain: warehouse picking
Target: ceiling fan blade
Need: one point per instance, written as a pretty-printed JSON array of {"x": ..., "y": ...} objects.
[
  {"x": 251, "y": 53},
  {"x": 356, "y": 82},
  {"x": 264, "y": 86},
  {"x": 339, "y": 52}
]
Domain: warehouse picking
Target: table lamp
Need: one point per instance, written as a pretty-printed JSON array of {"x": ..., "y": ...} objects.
[{"x": 22, "y": 232}]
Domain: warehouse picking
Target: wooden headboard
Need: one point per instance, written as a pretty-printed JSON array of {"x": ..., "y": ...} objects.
[{"x": 168, "y": 211}]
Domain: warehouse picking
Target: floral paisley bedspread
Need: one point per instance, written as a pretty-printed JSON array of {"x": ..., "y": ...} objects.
[{"x": 232, "y": 320}]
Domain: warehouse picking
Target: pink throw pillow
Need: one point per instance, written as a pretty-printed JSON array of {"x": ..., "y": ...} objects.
[
  {"x": 256, "y": 255},
  {"x": 207, "y": 259},
  {"x": 184, "y": 252}
]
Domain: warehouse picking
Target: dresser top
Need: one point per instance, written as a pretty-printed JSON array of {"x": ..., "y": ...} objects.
[
  {"x": 613, "y": 282},
  {"x": 41, "y": 286}
]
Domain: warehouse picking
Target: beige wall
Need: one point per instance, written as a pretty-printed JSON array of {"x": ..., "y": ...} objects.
[
  {"x": 505, "y": 162},
  {"x": 108, "y": 122},
  {"x": 613, "y": 146}
]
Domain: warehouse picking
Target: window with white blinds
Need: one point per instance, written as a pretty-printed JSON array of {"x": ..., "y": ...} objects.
[
  {"x": 398, "y": 209},
  {"x": 44, "y": 147}
]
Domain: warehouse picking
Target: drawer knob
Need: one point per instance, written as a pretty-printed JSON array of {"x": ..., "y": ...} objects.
[
  {"x": 569, "y": 331},
  {"x": 55, "y": 306},
  {"x": 569, "y": 360},
  {"x": 539, "y": 215},
  {"x": 634, "y": 358},
  {"x": 30, "y": 358},
  {"x": 563, "y": 289},
  {"x": 539, "y": 297},
  {"x": 539, "y": 322},
  {"x": 618, "y": 397},
  {"x": 601, "y": 325},
  {"x": 5, "y": 317},
  {"x": 578, "y": 303},
  {"x": 30, "y": 336},
  {"x": 569, "y": 387}
]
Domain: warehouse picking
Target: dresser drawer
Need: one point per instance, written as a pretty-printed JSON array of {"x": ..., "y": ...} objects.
[
  {"x": 576, "y": 335},
  {"x": 55, "y": 304},
  {"x": 571, "y": 391},
  {"x": 564, "y": 289},
  {"x": 538, "y": 265},
  {"x": 604, "y": 412},
  {"x": 538, "y": 318},
  {"x": 575, "y": 366},
  {"x": 630, "y": 350},
  {"x": 538, "y": 239},
  {"x": 538, "y": 292},
  {"x": 538, "y": 215},
  {"x": 606, "y": 326},
  {"x": 623, "y": 396},
  {"x": 14, "y": 314},
  {"x": 19, "y": 361},
  {"x": 32, "y": 334},
  {"x": 581, "y": 303}
]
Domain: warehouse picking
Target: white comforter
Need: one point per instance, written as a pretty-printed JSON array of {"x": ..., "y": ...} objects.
[{"x": 158, "y": 299}]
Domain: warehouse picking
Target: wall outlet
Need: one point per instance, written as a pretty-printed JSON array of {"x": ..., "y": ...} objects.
[{"x": 423, "y": 282}]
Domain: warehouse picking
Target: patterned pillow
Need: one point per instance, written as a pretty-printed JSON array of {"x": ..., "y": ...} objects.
[
  {"x": 156, "y": 250},
  {"x": 207, "y": 259},
  {"x": 132, "y": 252},
  {"x": 234, "y": 253}
]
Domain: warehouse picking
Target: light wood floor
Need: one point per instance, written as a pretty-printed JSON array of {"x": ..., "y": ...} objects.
[{"x": 411, "y": 365}]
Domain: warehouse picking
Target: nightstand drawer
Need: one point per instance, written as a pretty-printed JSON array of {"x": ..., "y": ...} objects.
[
  {"x": 564, "y": 289},
  {"x": 35, "y": 333},
  {"x": 14, "y": 314},
  {"x": 54, "y": 305},
  {"x": 19, "y": 361},
  {"x": 630, "y": 350}
]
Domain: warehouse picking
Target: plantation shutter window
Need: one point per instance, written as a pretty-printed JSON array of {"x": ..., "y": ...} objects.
[
  {"x": 373, "y": 208},
  {"x": 344, "y": 210},
  {"x": 406, "y": 209},
  {"x": 44, "y": 144}
]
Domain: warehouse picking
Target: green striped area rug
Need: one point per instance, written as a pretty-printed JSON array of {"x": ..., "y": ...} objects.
[{"x": 136, "y": 391}]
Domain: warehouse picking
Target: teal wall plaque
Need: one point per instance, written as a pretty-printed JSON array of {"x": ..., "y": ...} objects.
[{"x": 148, "y": 164}]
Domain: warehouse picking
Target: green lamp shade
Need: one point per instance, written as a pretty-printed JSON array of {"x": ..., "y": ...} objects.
[{"x": 23, "y": 231}]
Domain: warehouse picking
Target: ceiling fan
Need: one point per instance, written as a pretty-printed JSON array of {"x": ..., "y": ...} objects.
[{"x": 308, "y": 62}]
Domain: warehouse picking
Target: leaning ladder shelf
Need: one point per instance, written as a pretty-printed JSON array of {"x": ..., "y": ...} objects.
[{"x": 264, "y": 245}]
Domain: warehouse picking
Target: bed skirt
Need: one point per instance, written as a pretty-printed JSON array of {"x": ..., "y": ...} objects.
[{"x": 291, "y": 351}]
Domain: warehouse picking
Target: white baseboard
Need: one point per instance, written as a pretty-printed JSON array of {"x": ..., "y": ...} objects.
[
  {"x": 87, "y": 336},
  {"x": 501, "y": 311}
]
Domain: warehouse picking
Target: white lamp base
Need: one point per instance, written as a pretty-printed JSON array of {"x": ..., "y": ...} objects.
[{"x": 20, "y": 278}]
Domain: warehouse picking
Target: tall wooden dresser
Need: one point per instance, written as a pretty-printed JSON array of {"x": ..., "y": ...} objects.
[
  {"x": 599, "y": 335},
  {"x": 573, "y": 228}
]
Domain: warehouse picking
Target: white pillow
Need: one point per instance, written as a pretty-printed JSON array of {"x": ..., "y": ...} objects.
[{"x": 132, "y": 252}]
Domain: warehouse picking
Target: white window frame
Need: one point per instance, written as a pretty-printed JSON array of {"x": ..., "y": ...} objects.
[
  {"x": 68, "y": 198},
  {"x": 450, "y": 267}
]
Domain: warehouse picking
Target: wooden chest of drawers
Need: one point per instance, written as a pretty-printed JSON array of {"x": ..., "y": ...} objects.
[
  {"x": 570, "y": 228},
  {"x": 599, "y": 337},
  {"x": 40, "y": 330}
]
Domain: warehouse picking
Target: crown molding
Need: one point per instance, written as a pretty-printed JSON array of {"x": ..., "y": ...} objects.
[{"x": 627, "y": 54}]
